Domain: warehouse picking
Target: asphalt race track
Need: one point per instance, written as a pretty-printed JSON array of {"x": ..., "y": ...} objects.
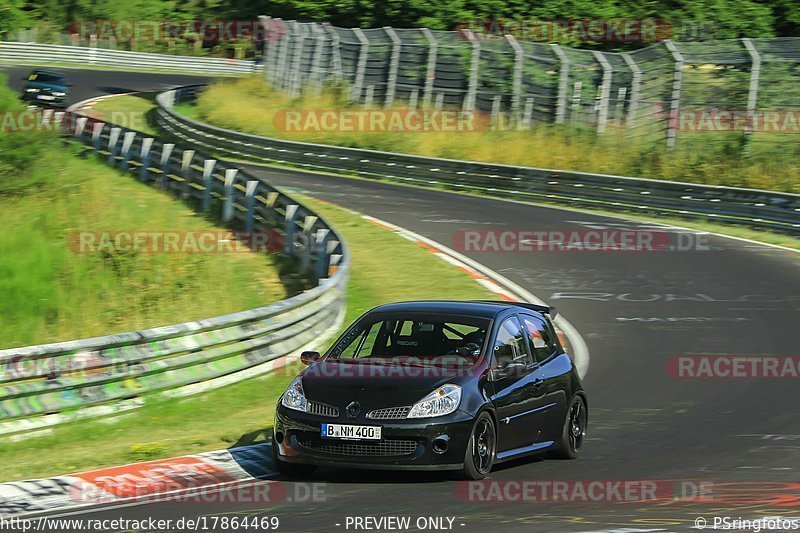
[{"x": 739, "y": 438}]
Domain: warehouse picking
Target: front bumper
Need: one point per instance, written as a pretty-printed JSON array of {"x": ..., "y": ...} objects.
[
  {"x": 57, "y": 101},
  {"x": 406, "y": 444}
]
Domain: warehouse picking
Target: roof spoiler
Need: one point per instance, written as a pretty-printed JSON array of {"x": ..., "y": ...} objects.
[{"x": 543, "y": 309}]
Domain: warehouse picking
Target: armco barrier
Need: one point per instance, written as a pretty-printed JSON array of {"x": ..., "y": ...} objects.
[
  {"x": 752, "y": 207},
  {"x": 35, "y": 54},
  {"x": 52, "y": 383}
]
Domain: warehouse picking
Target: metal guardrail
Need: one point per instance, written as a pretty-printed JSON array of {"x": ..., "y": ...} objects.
[
  {"x": 752, "y": 207},
  {"x": 34, "y": 53},
  {"x": 52, "y": 383}
]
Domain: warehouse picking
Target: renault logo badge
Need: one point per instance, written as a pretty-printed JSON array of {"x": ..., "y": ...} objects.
[{"x": 353, "y": 409}]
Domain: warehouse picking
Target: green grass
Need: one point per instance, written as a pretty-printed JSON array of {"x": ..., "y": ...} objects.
[
  {"x": 129, "y": 111},
  {"x": 240, "y": 413},
  {"x": 248, "y": 104}
]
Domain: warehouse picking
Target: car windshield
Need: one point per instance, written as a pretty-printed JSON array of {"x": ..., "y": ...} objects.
[
  {"x": 46, "y": 78},
  {"x": 409, "y": 337}
]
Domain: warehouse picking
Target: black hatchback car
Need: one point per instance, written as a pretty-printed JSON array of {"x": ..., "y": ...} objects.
[
  {"x": 434, "y": 385},
  {"x": 46, "y": 87}
]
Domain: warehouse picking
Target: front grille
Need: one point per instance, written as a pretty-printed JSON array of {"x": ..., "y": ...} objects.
[
  {"x": 321, "y": 409},
  {"x": 389, "y": 413},
  {"x": 383, "y": 448}
]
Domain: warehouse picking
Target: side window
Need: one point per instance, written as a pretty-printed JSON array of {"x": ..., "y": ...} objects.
[
  {"x": 510, "y": 344},
  {"x": 539, "y": 337},
  {"x": 363, "y": 344}
]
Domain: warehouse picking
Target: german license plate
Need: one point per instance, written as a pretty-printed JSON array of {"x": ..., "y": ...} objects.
[
  {"x": 343, "y": 431},
  {"x": 45, "y": 97}
]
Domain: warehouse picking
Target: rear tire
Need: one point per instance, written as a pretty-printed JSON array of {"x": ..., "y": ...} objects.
[
  {"x": 290, "y": 470},
  {"x": 574, "y": 431},
  {"x": 480, "y": 454}
]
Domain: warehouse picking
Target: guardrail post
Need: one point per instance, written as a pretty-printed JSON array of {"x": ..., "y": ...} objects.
[
  {"x": 323, "y": 259},
  {"x": 308, "y": 243},
  {"x": 636, "y": 84},
  {"x": 289, "y": 229},
  {"x": 675, "y": 103},
  {"x": 80, "y": 126},
  {"x": 97, "y": 131},
  {"x": 472, "y": 88},
  {"x": 430, "y": 71},
  {"x": 563, "y": 84},
  {"x": 361, "y": 67},
  {"x": 752, "y": 91},
  {"x": 127, "y": 144},
  {"x": 144, "y": 170},
  {"x": 516, "y": 91},
  {"x": 166, "y": 154},
  {"x": 113, "y": 138},
  {"x": 227, "y": 206},
  {"x": 208, "y": 183},
  {"x": 605, "y": 91},
  {"x": 186, "y": 170},
  {"x": 394, "y": 65},
  {"x": 250, "y": 204},
  {"x": 272, "y": 218}
]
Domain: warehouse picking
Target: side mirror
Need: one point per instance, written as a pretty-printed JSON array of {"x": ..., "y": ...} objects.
[
  {"x": 309, "y": 358},
  {"x": 511, "y": 368}
]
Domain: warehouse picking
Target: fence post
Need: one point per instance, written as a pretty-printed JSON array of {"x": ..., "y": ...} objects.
[
  {"x": 289, "y": 229},
  {"x": 113, "y": 138},
  {"x": 675, "y": 103},
  {"x": 317, "y": 74},
  {"x": 605, "y": 91},
  {"x": 281, "y": 73},
  {"x": 636, "y": 85},
  {"x": 336, "y": 55},
  {"x": 394, "y": 65},
  {"x": 166, "y": 154},
  {"x": 752, "y": 91},
  {"x": 80, "y": 126},
  {"x": 127, "y": 144},
  {"x": 430, "y": 70},
  {"x": 323, "y": 259},
  {"x": 516, "y": 94},
  {"x": 227, "y": 206},
  {"x": 563, "y": 84},
  {"x": 297, "y": 68},
  {"x": 208, "y": 182},
  {"x": 250, "y": 204},
  {"x": 146, "y": 157},
  {"x": 308, "y": 237},
  {"x": 186, "y": 169},
  {"x": 273, "y": 55},
  {"x": 97, "y": 131},
  {"x": 472, "y": 88},
  {"x": 361, "y": 68}
]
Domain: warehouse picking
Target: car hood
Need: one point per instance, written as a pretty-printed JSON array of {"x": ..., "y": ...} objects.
[
  {"x": 375, "y": 385},
  {"x": 45, "y": 85}
]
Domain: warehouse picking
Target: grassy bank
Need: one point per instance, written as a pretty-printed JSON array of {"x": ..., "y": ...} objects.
[
  {"x": 241, "y": 413},
  {"x": 52, "y": 293},
  {"x": 249, "y": 105}
]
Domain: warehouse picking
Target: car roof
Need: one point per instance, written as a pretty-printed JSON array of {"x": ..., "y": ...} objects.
[
  {"x": 48, "y": 72},
  {"x": 483, "y": 309}
]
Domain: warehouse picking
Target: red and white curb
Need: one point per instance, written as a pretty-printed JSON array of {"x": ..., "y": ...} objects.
[
  {"x": 164, "y": 480},
  {"x": 85, "y": 105}
]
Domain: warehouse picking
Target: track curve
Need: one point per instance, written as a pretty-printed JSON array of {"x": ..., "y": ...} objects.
[{"x": 636, "y": 312}]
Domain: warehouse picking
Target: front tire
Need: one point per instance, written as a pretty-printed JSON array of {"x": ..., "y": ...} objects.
[
  {"x": 480, "y": 454},
  {"x": 290, "y": 470},
  {"x": 574, "y": 431}
]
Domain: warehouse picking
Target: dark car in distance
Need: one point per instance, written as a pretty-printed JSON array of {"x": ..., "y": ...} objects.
[
  {"x": 434, "y": 385},
  {"x": 46, "y": 87}
]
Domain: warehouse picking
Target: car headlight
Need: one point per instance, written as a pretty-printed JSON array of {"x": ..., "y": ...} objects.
[
  {"x": 59, "y": 94},
  {"x": 31, "y": 90},
  {"x": 442, "y": 401},
  {"x": 294, "y": 397}
]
